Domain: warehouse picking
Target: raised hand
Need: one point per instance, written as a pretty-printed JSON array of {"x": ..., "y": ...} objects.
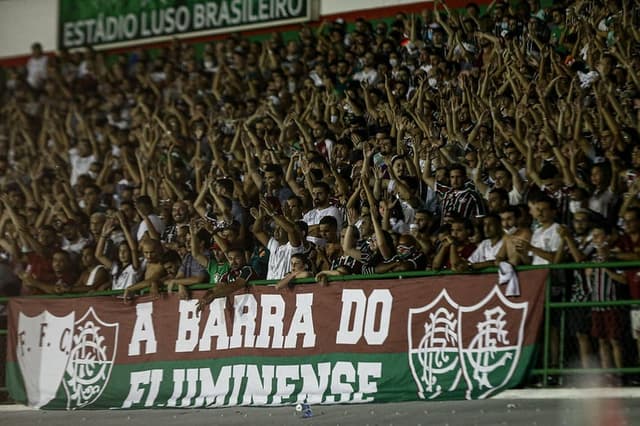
[
  {"x": 109, "y": 226},
  {"x": 267, "y": 207},
  {"x": 255, "y": 213},
  {"x": 356, "y": 139}
]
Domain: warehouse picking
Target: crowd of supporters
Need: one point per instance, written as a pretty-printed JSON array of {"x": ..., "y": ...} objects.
[{"x": 448, "y": 140}]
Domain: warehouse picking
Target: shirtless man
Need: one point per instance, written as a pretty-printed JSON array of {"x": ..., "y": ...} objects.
[
  {"x": 513, "y": 231},
  {"x": 155, "y": 271},
  {"x": 95, "y": 276}
]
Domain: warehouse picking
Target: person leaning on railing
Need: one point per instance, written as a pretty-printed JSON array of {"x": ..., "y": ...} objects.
[
  {"x": 487, "y": 251},
  {"x": 300, "y": 268},
  {"x": 193, "y": 269},
  {"x": 236, "y": 279},
  {"x": 159, "y": 267}
]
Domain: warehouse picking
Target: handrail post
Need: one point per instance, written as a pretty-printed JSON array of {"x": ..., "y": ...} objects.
[
  {"x": 561, "y": 333},
  {"x": 547, "y": 325}
]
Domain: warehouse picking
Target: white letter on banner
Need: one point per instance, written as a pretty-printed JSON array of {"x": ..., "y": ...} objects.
[
  {"x": 236, "y": 12},
  {"x": 111, "y": 28},
  {"x": 178, "y": 384},
  {"x": 183, "y": 16},
  {"x": 213, "y": 393},
  {"x": 245, "y": 307},
  {"x": 130, "y": 26},
  {"x": 284, "y": 388},
  {"x": 212, "y": 15},
  {"x": 223, "y": 16},
  {"x": 99, "y": 35},
  {"x": 67, "y": 38},
  {"x": 198, "y": 16},
  {"x": 259, "y": 386},
  {"x": 250, "y": 12},
  {"x": 121, "y": 24},
  {"x": 188, "y": 326},
  {"x": 192, "y": 387},
  {"x": 365, "y": 371},
  {"x": 281, "y": 9},
  {"x": 138, "y": 381},
  {"x": 216, "y": 326},
  {"x": 313, "y": 387},
  {"x": 346, "y": 336},
  {"x": 88, "y": 25},
  {"x": 156, "y": 379},
  {"x": 144, "y": 30},
  {"x": 143, "y": 330},
  {"x": 238, "y": 375},
  {"x": 169, "y": 22},
  {"x": 272, "y": 319},
  {"x": 80, "y": 33},
  {"x": 302, "y": 323},
  {"x": 295, "y": 10},
  {"x": 136, "y": 392},
  {"x": 157, "y": 22},
  {"x": 263, "y": 10},
  {"x": 378, "y": 297},
  {"x": 342, "y": 390}
]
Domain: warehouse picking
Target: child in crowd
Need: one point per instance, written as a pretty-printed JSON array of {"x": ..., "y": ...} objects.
[{"x": 299, "y": 269}]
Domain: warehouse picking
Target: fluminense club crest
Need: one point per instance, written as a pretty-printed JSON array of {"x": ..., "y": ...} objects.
[
  {"x": 490, "y": 344},
  {"x": 90, "y": 361},
  {"x": 471, "y": 349},
  {"x": 53, "y": 349},
  {"x": 433, "y": 346}
]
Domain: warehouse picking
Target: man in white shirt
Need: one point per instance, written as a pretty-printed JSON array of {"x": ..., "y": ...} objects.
[
  {"x": 81, "y": 157},
  {"x": 36, "y": 67},
  {"x": 368, "y": 72},
  {"x": 151, "y": 225},
  {"x": 546, "y": 240},
  {"x": 285, "y": 242},
  {"x": 509, "y": 180},
  {"x": 320, "y": 194},
  {"x": 485, "y": 254}
]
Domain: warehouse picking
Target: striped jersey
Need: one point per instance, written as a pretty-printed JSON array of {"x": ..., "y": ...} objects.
[{"x": 466, "y": 202}]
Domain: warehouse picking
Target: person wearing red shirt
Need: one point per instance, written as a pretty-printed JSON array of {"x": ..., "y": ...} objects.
[
  {"x": 62, "y": 279},
  {"x": 456, "y": 248}
]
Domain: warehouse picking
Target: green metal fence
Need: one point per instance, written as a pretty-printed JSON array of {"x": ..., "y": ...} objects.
[{"x": 543, "y": 369}]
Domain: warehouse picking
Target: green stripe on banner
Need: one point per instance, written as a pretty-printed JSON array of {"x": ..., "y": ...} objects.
[{"x": 273, "y": 381}]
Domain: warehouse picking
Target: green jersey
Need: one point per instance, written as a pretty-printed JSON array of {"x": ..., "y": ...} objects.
[{"x": 217, "y": 270}]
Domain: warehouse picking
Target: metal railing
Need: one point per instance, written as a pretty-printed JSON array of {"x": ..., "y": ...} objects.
[{"x": 545, "y": 370}]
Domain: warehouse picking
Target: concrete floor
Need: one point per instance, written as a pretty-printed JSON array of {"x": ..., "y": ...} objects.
[{"x": 542, "y": 407}]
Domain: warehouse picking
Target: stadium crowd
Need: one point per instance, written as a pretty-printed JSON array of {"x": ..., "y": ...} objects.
[{"x": 450, "y": 140}]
